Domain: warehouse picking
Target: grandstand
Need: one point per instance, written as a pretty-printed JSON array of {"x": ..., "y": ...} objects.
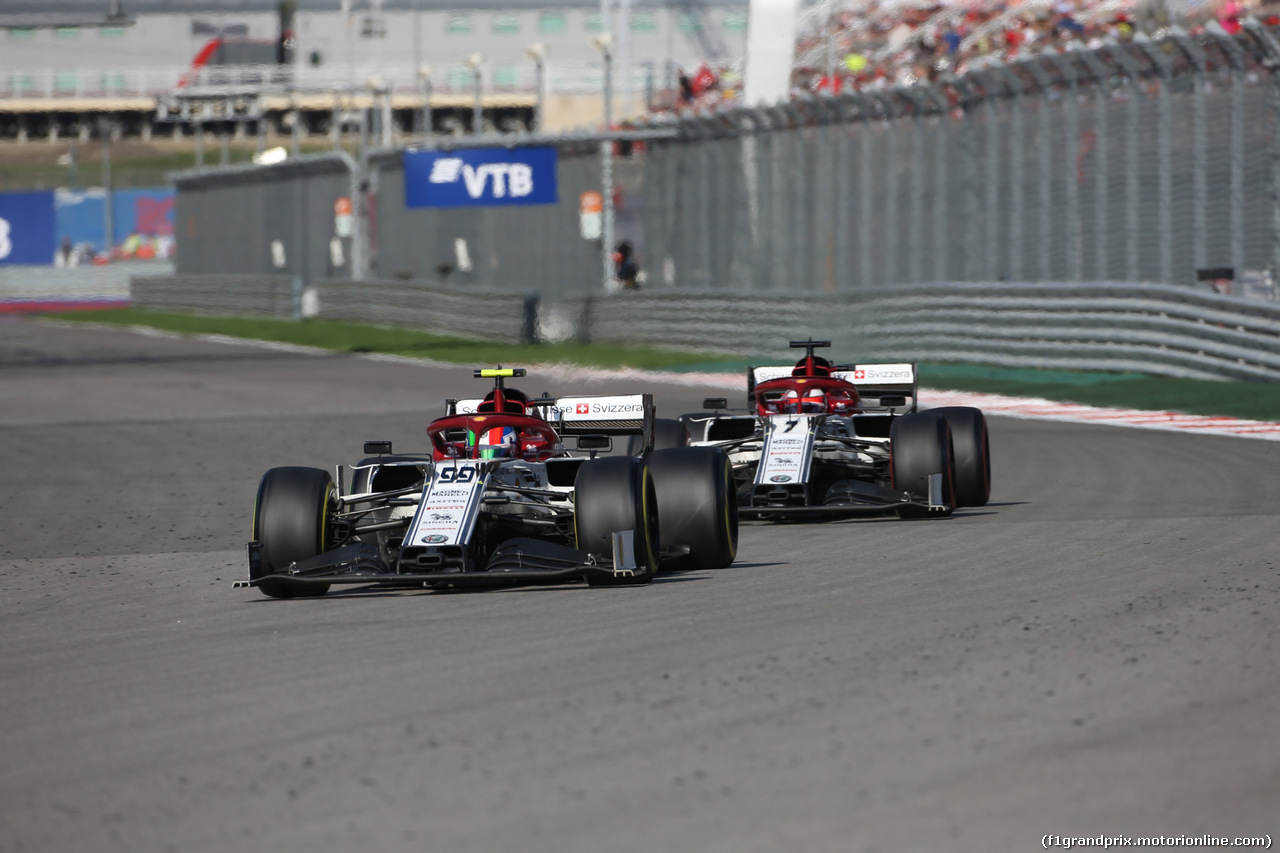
[
  {"x": 241, "y": 67},
  {"x": 868, "y": 44}
]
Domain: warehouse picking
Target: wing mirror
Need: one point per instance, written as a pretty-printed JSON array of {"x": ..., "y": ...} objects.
[{"x": 595, "y": 443}]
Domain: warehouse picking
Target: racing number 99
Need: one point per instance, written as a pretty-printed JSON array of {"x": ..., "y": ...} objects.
[{"x": 458, "y": 475}]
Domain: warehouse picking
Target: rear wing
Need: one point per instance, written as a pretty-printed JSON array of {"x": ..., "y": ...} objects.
[
  {"x": 872, "y": 380},
  {"x": 627, "y": 414}
]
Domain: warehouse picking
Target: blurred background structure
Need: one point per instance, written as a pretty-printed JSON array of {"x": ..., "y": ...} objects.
[
  {"x": 175, "y": 69},
  {"x": 920, "y": 142},
  {"x": 253, "y": 63}
]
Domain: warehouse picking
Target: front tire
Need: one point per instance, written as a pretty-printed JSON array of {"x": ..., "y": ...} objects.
[
  {"x": 972, "y": 453},
  {"x": 290, "y": 519},
  {"x": 612, "y": 494},
  {"x": 697, "y": 503},
  {"x": 920, "y": 446}
]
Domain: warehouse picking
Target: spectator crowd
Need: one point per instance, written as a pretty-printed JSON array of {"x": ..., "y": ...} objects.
[{"x": 867, "y": 44}]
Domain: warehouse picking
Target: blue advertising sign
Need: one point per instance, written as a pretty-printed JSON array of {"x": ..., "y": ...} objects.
[
  {"x": 142, "y": 212},
  {"x": 28, "y": 228},
  {"x": 480, "y": 177}
]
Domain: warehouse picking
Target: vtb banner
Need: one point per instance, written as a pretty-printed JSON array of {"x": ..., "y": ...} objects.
[
  {"x": 28, "y": 228},
  {"x": 480, "y": 177}
]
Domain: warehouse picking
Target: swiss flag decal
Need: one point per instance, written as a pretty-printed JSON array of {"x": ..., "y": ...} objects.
[
  {"x": 582, "y": 409},
  {"x": 859, "y": 374}
]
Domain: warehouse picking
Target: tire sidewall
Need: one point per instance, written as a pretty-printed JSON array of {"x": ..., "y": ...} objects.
[
  {"x": 615, "y": 493},
  {"x": 290, "y": 520},
  {"x": 972, "y": 453},
  {"x": 697, "y": 503},
  {"x": 920, "y": 445}
]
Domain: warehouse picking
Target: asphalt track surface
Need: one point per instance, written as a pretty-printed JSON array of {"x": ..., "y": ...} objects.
[{"x": 1094, "y": 653}]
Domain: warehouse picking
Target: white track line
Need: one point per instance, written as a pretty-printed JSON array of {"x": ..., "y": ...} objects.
[{"x": 992, "y": 404}]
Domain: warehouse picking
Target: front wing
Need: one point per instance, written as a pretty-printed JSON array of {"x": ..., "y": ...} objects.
[
  {"x": 862, "y": 500},
  {"x": 516, "y": 562}
]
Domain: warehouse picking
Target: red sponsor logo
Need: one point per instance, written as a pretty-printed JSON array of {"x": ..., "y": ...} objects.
[
  {"x": 583, "y": 409},
  {"x": 155, "y": 216}
]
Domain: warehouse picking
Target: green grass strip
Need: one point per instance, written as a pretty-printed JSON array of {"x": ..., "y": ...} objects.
[
  {"x": 349, "y": 337},
  {"x": 1258, "y": 401},
  {"x": 1249, "y": 400}
]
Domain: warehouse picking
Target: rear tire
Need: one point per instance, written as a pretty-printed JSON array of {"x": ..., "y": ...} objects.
[
  {"x": 290, "y": 519},
  {"x": 612, "y": 494},
  {"x": 972, "y": 453},
  {"x": 697, "y": 503},
  {"x": 920, "y": 445}
]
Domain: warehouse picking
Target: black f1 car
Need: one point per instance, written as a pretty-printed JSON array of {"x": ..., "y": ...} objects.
[
  {"x": 825, "y": 440},
  {"x": 498, "y": 500}
]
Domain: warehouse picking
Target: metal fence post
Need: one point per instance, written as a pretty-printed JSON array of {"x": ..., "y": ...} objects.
[
  {"x": 1272, "y": 63},
  {"x": 1236, "y": 156},
  {"x": 992, "y": 238},
  {"x": 749, "y": 125},
  {"x": 1164, "y": 141},
  {"x": 748, "y": 129},
  {"x": 825, "y": 182},
  {"x": 359, "y": 231},
  {"x": 915, "y": 218},
  {"x": 891, "y": 274},
  {"x": 769, "y": 195},
  {"x": 864, "y": 196},
  {"x": 941, "y": 239},
  {"x": 967, "y": 183},
  {"x": 1075, "y": 229},
  {"x": 1274, "y": 87},
  {"x": 1237, "y": 166},
  {"x": 1017, "y": 112},
  {"x": 843, "y": 168},
  {"x": 991, "y": 216},
  {"x": 801, "y": 233},
  {"x": 1199, "y": 181},
  {"x": 1044, "y": 86},
  {"x": 1131, "y": 198},
  {"x": 1102, "y": 159}
]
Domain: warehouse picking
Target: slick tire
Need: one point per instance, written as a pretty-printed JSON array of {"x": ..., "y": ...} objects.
[
  {"x": 920, "y": 445},
  {"x": 697, "y": 503},
  {"x": 291, "y": 520},
  {"x": 612, "y": 494},
  {"x": 972, "y": 453}
]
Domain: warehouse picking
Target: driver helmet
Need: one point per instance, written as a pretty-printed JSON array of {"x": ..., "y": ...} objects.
[
  {"x": 813, "y": 400},
  {"x": 495, "y": 443},
  {"x": 810, "y": 401}
]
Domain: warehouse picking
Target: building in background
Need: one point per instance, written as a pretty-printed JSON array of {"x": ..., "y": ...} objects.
[{"x": 57, "y": 80}]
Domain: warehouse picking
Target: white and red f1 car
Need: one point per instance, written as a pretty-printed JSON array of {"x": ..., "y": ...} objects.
[
  {"x": 499, "y": 500},
  {"x": 824, "y": 440}
]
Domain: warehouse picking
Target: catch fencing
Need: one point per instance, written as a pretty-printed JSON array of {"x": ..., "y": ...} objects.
[
  {"x": 1144, "y": 161},
  {"x": 1139, "y": 162},
  {"x": 1148, "y": 165}
]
